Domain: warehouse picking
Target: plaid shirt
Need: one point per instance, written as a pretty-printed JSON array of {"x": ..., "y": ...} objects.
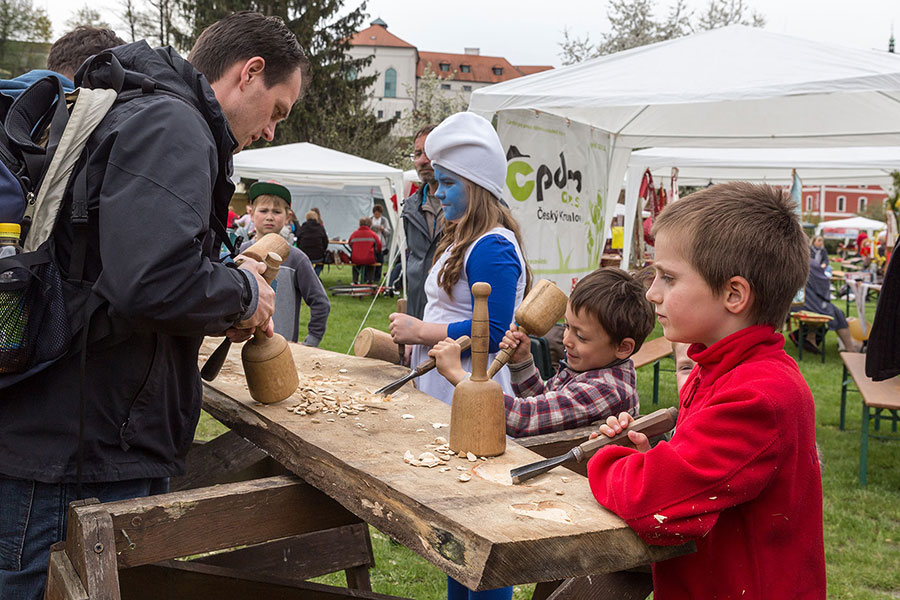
[{"x": 570, "y": 399}]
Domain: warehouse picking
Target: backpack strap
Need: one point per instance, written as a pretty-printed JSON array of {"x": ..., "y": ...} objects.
[{"x": 90, "y": 108}]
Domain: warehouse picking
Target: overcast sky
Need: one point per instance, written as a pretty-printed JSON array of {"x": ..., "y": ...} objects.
[{"x": 529, "y": 31}]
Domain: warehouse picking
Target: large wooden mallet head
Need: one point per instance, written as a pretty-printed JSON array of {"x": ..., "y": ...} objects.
[
  {"x": 544, "y": 305},
  {"x": 478, "y": 413},
  {"x": 268, "y": 362}
]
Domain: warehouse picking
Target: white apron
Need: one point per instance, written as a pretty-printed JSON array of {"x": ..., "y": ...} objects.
[{"x": 441, "y": 308}]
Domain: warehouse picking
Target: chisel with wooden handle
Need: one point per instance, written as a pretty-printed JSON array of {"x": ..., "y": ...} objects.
[
  {"x": 464, "y": 343},
  {"x": 652, "y": 425}
]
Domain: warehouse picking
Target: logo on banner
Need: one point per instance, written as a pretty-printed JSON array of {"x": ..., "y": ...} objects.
[{"x": 522, "y": 185}]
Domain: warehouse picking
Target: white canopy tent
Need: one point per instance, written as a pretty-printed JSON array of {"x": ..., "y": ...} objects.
[
  {"x": 308, "y": 164},
  {"x": 735, "y": 87},
  {"x": 855, "y": 223}
]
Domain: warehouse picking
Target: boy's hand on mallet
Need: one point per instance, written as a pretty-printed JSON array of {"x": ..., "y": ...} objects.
[
  {"x": 616, "y": 425},
  {"x": 513, "y": 338},
  {"x": 446, "y": 357}
]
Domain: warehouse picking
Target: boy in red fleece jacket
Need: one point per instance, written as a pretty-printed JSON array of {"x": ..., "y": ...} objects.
[{"x": 740, "y": 475}]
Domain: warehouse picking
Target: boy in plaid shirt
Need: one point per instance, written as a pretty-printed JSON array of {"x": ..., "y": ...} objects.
[{"x": 607, "y": 319}]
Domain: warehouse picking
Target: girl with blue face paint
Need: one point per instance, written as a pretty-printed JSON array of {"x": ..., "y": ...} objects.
[
  {"x": 481, "y": 242},
  {"x": 451, "y": 193}
]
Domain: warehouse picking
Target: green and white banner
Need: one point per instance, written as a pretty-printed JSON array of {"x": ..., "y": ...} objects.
[{"x": 555, "y": 179}]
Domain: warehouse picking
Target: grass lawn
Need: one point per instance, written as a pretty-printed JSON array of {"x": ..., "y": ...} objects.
[{"x": 862, "y": 526}]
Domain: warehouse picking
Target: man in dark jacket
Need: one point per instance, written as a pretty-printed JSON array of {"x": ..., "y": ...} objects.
[
  {"x": 423, "y": 224},
  {"x": 158, "y": 187},
  {"x": 313, "y": 241}
]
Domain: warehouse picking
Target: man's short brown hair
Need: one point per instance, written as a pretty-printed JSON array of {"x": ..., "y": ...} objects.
[
  {"x": 365, "y": 222},
  {"x": 747, "y": 230},
  {"x": 68, "y": 52},
  {"x": 618, "y": 301},
  {"x": 424, "y": 131},
  {"x": 243, "y": 35}
]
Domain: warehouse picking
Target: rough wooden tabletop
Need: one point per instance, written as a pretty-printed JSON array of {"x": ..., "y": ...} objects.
[{"x": 483, "y": 531}]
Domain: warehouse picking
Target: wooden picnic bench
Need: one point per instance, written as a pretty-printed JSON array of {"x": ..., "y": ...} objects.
[
  {"x": 877, "y": 397},
  {"x": 652, "y": 352},
  {"x": 807, "y": 322}
]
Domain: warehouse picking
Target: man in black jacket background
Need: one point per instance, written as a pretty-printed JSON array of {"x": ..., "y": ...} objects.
[{"x": 158, "y": 180}]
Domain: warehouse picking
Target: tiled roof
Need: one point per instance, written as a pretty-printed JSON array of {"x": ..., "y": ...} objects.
[
  {"x": 481, "y": 68},
  {"x": 377, "y": 35}
]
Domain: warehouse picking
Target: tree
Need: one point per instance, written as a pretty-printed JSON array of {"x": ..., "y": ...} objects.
[
  {"x": 138, "y": 22},
  {"x": 86, "y": 17},
  {"x": 633, "y": 25},
  {"x": 333, "y": 112},
  {"x": 432, "y": 104},
  {"x": 721, "y": 13},
  {"x": 20, "y": 21}
]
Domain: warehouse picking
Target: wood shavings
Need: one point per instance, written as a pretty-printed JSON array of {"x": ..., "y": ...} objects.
[
  {"x": 343, "y": 371},
  {"x": 464, "y": 477},
  {"x": 459, "y": 468},
  {"x": 439, "y": 425},
  {"x": 320, "y": 394},
  {"x": 420, "y": 431},
  {"x": 444, "y": 469},
  {"x": 407, "y": 416},
  {"x": 565, "y": 479},
  {"x": 660, "y": 518},
  {"x": 439, "y": 441},
  {"x": 471, "y": 457},
  {"x": 426, "y": 459},
  {"x": 560, "y": 493}
]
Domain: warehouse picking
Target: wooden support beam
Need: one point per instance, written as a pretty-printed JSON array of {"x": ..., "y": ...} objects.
[
  {"x": 174, "y": 580},
  {"x": 62, "y": 579},
  {"x": 154, "y": 528},
  {"x": 622, "y": 585},
  {"x": 225, "y": 459},
  {"x": 91, "y": 548},
  {"x": 304, "y": 556}
]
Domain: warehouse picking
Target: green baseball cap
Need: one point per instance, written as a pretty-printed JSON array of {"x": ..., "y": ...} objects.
[{"x": 269, "y": 187}]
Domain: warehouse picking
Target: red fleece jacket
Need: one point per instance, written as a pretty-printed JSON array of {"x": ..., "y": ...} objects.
[{"x": 740, "y": 477}]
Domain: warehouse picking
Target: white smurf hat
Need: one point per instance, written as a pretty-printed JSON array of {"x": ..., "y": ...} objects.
[{"x": 467, "y": 144}]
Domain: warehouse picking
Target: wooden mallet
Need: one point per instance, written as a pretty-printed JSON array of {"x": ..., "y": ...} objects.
[
  {"x": 544, "y": 305},
  {"x": 478, "y": 413}
]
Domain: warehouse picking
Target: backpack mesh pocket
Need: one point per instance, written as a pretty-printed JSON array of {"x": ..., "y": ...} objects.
[{"x": 34, "y": 326}]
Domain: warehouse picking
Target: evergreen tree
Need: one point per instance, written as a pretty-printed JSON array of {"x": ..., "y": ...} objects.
[{"x": 333, "y": 111}]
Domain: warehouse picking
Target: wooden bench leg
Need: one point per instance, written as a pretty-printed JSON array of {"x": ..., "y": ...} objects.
[
  {"x": 656, "y": 383},
  {"x": 845, "y": 381},
  {"x": 864, "y": 445}
]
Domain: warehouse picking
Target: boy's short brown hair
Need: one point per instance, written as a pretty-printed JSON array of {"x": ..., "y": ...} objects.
[
  {"x": 619, "y": 302},
  {"x": 747, "y": 230}
]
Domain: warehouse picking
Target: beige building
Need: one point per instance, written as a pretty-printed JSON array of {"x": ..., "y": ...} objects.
[{"x": 399, "y": 65}]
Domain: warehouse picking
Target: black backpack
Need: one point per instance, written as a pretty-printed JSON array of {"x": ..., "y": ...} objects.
[{"x": 42, "y": 154}]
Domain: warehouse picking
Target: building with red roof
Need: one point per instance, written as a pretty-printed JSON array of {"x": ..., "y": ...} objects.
[{"x": 400, "y": 65}]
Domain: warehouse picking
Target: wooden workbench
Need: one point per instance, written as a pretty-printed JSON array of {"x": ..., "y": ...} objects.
[{"x": 485, "y": 532}]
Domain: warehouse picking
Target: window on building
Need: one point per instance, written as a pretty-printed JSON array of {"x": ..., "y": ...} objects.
[
  {"x": 380, "y": 114},
  {"x": 465, "y": 68},
  {"x": 390, "y": 83},
  {"x": 809, "y": 203},
  {"x": 864, "y": 186},
  {"x": 467, "y": 88},
  {"x": 396, "y": 114},
  {"x": 445, "y": 67},
  {"x": 861, "y": 206},
  {"x": 445, "y": 86},
  {"x": 841, "y": 204},
  {"x": 497, "y": 70}
]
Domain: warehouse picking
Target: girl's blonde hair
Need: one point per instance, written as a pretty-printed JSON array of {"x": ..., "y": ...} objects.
[{"x": 483, "y": 213}]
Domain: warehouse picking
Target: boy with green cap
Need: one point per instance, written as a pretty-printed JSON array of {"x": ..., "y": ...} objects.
[{"x": 270, "y": 210}]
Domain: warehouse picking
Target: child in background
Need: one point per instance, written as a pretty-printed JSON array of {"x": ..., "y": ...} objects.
[
  {"x": 740, "y": 476},
  {"x": 607, "y": 320},
  {"x": 270, "y": 204},
  {"x": 684, "y": 364}
]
